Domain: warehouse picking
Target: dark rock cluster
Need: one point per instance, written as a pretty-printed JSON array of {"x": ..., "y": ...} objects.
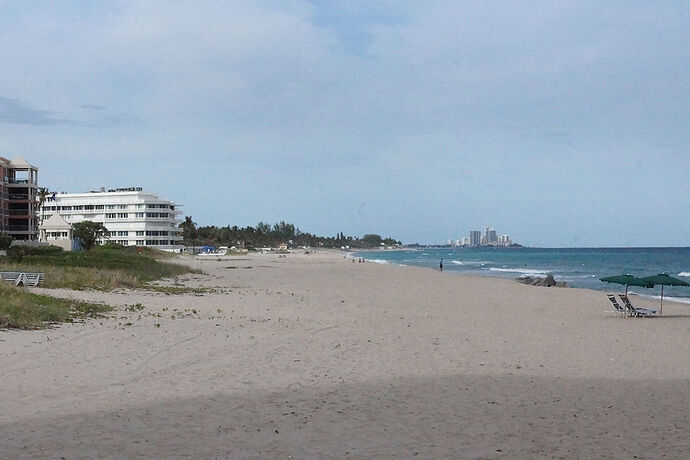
[{"x": 549, "y": 281}]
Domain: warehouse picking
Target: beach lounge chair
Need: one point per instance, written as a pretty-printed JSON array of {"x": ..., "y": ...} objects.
[
  {"x": 618, "y": 309},
  {"x": 640, "y": 312},
  {"x": 25, "y": 279}
]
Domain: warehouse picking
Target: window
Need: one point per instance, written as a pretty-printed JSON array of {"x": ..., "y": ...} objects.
[
  {"x": 110, "y": 216},
  {"x": 140, "y": 233},
  {"x": 122, "y": 206},
  {"x": 109, "y": 206},
  {"x": 139, "y": 214},
  {"x": 121, "y": 233},
  {"x": 99, "y": 206},
  {"x": 140, "y": 242},
  {"x": 88, "y": 207},
  {"x": 122, "y": 215}
]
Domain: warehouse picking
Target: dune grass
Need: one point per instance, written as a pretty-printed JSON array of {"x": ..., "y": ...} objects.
[
  {"x": 22, "y": 310},
  {"x": 106, "y": 267}
]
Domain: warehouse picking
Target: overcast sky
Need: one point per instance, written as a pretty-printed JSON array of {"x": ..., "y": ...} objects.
[{"x": 559, "y": 123}]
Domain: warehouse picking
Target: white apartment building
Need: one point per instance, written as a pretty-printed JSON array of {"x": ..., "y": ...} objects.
[{"x": 131, "y": 216}]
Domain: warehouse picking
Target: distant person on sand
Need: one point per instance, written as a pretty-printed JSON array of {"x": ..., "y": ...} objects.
[{"x": 440, "y": 265}]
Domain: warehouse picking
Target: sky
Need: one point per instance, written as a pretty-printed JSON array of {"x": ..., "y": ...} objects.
[{"x": 559, "y": 123}]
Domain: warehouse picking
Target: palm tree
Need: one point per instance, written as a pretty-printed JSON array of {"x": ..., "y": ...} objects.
[
  {"x": 188, "y": 229},
  {"x": 41, "y": 196}
]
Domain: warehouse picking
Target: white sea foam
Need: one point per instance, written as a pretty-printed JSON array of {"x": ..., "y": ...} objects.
[
  {"x": 666, "y": 298},
  {"x": 475, "y": 262},
  {"x": 684, "y": 274},
  {"x": 457, "y": 262},
  {"x": 378, "y": 261},
  {"x": 523, "y": 271}
]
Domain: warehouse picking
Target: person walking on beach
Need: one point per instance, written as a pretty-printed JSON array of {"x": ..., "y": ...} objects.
[{"x": 440, "y": 265}]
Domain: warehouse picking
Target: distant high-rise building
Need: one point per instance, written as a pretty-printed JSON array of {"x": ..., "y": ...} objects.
[
  {"x": 504, "y": 240},
  {"x": 490, "y": 236},
  {"x": 475, "y": 238}
]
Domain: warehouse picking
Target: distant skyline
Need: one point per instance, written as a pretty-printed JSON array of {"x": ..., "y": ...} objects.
[{"x": 565, "y": 123}]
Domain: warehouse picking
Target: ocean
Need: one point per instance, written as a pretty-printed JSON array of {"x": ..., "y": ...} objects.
[{"x": 579, "y": 267}]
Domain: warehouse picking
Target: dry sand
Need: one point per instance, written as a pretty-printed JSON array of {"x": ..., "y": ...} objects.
[{"x": 314, "y": 356}]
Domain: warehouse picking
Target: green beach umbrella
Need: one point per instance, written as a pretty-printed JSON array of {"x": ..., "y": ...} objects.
[
  {"x": 664, "y": 280},
  {"x": 628, "y": 280}
]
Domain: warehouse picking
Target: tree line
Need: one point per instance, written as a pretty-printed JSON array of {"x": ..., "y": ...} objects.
[{"x": 267, "y": 235}]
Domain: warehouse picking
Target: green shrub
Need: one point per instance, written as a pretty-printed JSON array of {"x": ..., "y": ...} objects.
[
  {"x": 19, "y": 253},
  {"x": 5, "y": 242},
  {"x": 112, "y": 245}
]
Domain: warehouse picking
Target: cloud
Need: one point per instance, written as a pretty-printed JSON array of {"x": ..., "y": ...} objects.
[
  {"x": 15, "y": 112},
  {"x": 92, "y": 106},
  {"x": 451, "y": 97}
]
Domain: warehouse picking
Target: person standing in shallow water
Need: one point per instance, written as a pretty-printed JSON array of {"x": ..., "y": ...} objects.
[{"x": 440, "y": 264}]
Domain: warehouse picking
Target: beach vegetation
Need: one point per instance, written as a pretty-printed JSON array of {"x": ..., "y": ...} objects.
[
  {"x": 5, "y": 242},
  {"x": 267, "y": 235},
  {"x": 89, "y": 233},
  {"x": 23, "y": 310},
  {"x": 103, "y": 267}
]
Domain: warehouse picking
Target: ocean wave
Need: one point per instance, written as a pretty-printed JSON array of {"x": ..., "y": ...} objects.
[
  {"x": 472, "y": 262},
  {"x": 683, "y": 274},
  {"x": 378, "y": 261},
  {"x": 666, "y": 298},
  {"x": 523, "y": 271}
]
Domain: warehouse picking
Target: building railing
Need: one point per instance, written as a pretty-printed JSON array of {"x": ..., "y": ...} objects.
[{"x": 16, "y": 196}]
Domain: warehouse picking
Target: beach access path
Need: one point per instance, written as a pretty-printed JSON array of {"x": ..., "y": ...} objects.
[{"x": 314, "y": 356}]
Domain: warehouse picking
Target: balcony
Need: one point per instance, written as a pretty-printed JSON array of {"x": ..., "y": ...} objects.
[
  {"x": 19, "y": 212},
  {"x": 19, "y": 196}
]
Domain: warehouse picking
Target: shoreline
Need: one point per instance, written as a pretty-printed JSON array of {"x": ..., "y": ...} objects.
[{"x": 516, "y": 273}]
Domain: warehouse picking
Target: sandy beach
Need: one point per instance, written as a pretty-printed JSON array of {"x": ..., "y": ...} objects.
[{"x": 313, "y": 356}]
